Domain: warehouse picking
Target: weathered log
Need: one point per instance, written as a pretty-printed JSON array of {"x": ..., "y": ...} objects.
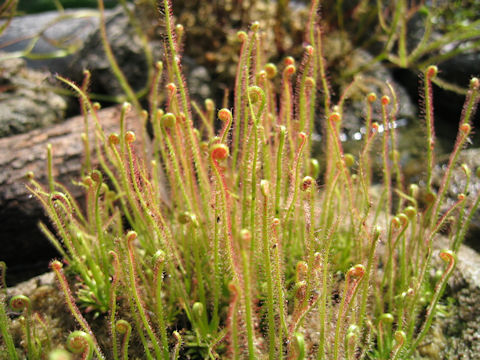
[{"x": 20, "y": 240}]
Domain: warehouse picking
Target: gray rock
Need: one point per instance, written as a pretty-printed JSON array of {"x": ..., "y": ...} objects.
[
  {"x": 458, "y": 71},
  {"x": 455, "y": 333},
  {"x": 130, "y": 55},
  {"x": 27, "y": 100},
  {"x": 128, "y": 51},
  {"x": 198, "y": 80},
  {"x": 55, "y": 31},
  {"x": 460, "y": 327},
  {"x": 374, "y": 79},
  {"x": 470, "y": 157},
  {"x": 46, "y": 299}
]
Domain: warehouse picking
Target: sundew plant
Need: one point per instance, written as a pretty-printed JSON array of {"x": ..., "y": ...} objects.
[{"x": 217, "y": 235}]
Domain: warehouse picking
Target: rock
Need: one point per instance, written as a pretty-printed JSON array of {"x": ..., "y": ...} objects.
[
  {"x": 48, "y": 301},
  {"x": 374, "y": 80},
  {"x": 447, "y": 104},
  {"x": 453, "y": 21},
  {"x": 410, "y": 137},
  {"x": 341, "y": 69},
  {"x": 470, "y": 157},
  {"x": 130, "y": 55},
  {"x": 27, "y": 99},
  {"x": 198, "y": 80},
  {"x": 128, "y": 51},
  {"x": 57, "y": 32},
  {"x": 461, "y": 333},
  {"x": 458, "y": 71},
  {"x": 211, "y": 40}
]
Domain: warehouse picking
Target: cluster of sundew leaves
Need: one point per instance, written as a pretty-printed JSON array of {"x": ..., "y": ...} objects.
[{"x": 248, "y": 248}]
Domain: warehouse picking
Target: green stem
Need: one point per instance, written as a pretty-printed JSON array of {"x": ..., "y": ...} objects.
[
  {"x": 248, "y": 306},
  {"x": 278, "y": 184},
  {"x": 366, "y": 282},
  {"x": 135, "y": 293},
  {"x": 56, "y": 266},
  {"x": 191, "y": 138},
  {"x": 113, "y": 303},
  {"x": 268, "y": 275},
  {"x": 113, "y": 62},
  {"x": 159, "y": 306},
  {"x": 429, "y": 74},
  {"x": 4, "y": 330},
  {"x": 355, "y": 274},
  {"x": 445, "y": 255}
]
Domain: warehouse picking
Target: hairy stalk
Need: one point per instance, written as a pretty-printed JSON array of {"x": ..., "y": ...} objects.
[
  {"x": 365, "y": 161},
  {"x": 279, "y": 291},
  {"x": 323, "y": 305},
  {"x": 135, "y": 292},
  {"x": 123, "y": 327},
  {"x": 429, "y": 74},
  {"x": 178, "y": 344},
  {"x": 295, "y": 177},
  {"x": 174, "y": 56},
  {"x": 56, "y": 266},
  {"x": 258, "y": 94},
  {"x": 447, "y": 256},
  {"x": 113, "y": 303},
  {"x": 321, "y": 66},
  {"x": 113, "y": 62},
  {"x": 304, "y": 98},
  {"x": 22, "y": 303},
  {"x": 286, "y": 103},
  {"x": 81, "y": 342},
  {"x": 238, "y": 113},
  {"x": 51, "y": 183},
  {"x": 400, "y": 338},
  {"x": 4, "y": 326},
  {"x": 464, "y": 131},
  {"x": 217, "y": 278},
  {"x": 387, "y": 175},
  {"x": 160, "y": 313},
  {"x": 366, "y": 281},
  {"x": 216, "y": 155},
  {"x": 279, "y": 169},
  {"x": 354, "y": 275},
  {"x": 248, "y": 306},
  {"x": 232, "y": 320},
  {"x": 85, "y": 138},
  {"x": 168, "y": 120},
  {"x": 268, "y": 271}
]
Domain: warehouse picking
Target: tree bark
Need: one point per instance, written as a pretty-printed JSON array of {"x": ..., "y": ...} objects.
[{"x": 19, "y": 210}]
